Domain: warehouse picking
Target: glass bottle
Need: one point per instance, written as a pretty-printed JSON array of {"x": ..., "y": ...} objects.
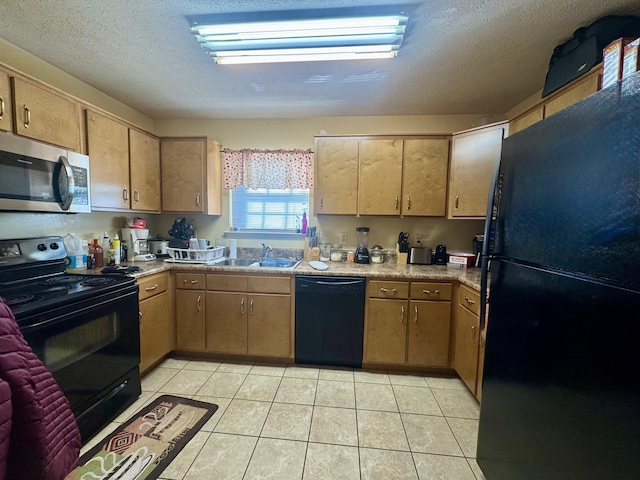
[{"x": 98, "y": 253}]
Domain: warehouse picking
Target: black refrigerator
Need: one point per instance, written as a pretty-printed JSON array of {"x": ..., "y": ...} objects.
[{"x": 561, "y": 388}]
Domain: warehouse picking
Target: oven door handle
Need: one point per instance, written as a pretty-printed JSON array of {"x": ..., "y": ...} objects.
[{"x": 67, "y": 172}]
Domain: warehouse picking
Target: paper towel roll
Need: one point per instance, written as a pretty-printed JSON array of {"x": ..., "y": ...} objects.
[{"x": 233, "y": 248}]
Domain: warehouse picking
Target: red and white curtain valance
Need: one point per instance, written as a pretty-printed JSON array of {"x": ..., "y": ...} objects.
[{"x": 282, "y": 169}]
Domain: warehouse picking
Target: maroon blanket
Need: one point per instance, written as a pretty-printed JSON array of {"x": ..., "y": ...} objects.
[{"x": 44, "y": 442}]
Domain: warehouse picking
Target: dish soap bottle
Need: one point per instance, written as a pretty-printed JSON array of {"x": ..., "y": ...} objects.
[
  {"x": 303, "y": 228},
  {"x": 116, "y": 249}
]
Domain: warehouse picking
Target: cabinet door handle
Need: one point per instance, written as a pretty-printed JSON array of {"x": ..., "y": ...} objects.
[
  {"x": 251, "y": 306},
  {"x": 27, "y": 117},
  {"x": 408, "y": 202},
  {"x": 468, "y": 300},
  {"x": 456, "y": 204},
  {"x": 198, "y": 303},
  {"x": 429, "y": 292},
  {"x": 136, "y": 195},
  {"x": 192, "y": 282},
  {"x": 139, "y": 318},
  {"x": 415, "y": 318},
  {"x": 1, "y": 107},
  {"x": 125, "y": 194},
  {"x": 386, "y": 290},
  {"x": 198, "y": 199},
  {"x": 473, "y": 332},
  {"x": 402, "y": 314},
  {"x": 148, "y": 289},
  {"x": 397, "y": 202},
  {"x": 242, "y": 305},
  {"x": 321, "y": 202}
]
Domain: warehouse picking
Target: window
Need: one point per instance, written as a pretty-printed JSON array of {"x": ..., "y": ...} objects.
[{"x": 268, "y": 208}]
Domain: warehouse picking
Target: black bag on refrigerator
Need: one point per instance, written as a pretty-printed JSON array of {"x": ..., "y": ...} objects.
[{"x": 583, "y": 51}]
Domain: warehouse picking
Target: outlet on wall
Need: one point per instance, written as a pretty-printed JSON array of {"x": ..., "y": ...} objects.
[
  {"x": 343, "y": 238},
  {"x": 417, "y": 238}
]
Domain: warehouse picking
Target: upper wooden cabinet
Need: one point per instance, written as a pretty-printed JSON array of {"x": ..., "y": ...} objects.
[
  {"x": 191, "y": 181},
  {"x": 46, "y": 115},
  {"x": 474, "y": 157},
  {"x": 425, "y": 163},
  {"x": 144, "y": 169},
  {"x": 125, "y": 166},
  {"x": 577, "y": 90},
  {"x": 6, "y": 102},
  {"x": 336, "y": 176},
  {"x": 108, "y": 149},
  {"x": 381, "y": 175}
]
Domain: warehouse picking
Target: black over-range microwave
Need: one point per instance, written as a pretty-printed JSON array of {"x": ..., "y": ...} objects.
[{"x": 36, "y": 177}]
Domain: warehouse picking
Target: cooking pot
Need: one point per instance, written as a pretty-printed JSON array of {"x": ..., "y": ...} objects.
[{"x": 158, "y": 246}]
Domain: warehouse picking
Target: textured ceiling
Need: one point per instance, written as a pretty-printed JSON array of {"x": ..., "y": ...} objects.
[{"x": 459, "y": 56}]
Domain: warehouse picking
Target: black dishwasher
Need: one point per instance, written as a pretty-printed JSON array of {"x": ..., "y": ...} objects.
[{"x": 329, "y": 320}]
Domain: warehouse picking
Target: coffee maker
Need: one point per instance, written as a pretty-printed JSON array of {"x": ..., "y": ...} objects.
[
  {"x": 362, "y": 252},
  {"x": 137, "y": 238}
]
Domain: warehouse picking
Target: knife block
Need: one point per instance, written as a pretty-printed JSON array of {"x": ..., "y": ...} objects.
[
  {"x": 401, "y": 256},
  {"x": 310, "y": 253}
]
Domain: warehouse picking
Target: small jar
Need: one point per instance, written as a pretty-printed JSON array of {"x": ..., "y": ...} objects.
[
  {"x": 325, "y": 252},
  {"x": 390, "y": 256},
  {"x": 351, "y": 256},
  {"x": 377, "y": 254},
  {"x": 336, "y": 253}
]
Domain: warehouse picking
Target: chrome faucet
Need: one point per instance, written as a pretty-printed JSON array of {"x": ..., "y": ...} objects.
[{"x": 265, "y": 250}]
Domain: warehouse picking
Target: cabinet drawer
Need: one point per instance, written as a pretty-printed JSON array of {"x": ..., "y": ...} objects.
[
  {"x": 470, "y": 299},
  {"x": 430, "y": 291},
  {"x": 153, "y": 285},
  {"x": 190, "y": 281},
  {"x": 227, "y": 283},
  {"x": 388, "y": 289},
  {"x": 269, "y": 284}
]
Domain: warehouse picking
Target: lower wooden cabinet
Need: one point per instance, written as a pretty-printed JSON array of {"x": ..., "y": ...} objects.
[
  {"x": 467, "y": 337},
  {"x": 234, "y": 314},
  {"x": 249, "y": 315},
  {"x": 190, "y": 311},
  {"x": 408, "y": 323},
  {"x": 156, "y": 319}
]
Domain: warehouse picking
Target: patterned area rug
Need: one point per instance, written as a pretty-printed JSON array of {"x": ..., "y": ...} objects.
[{"x": 142, "y": 447}]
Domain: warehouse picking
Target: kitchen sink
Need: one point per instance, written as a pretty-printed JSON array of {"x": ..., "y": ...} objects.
[{"x": 271, "y": 262}]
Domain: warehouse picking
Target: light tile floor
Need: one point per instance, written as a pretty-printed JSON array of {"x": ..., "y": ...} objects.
[{"x": 296, "y": 422}]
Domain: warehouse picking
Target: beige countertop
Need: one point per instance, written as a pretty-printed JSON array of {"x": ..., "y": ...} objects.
[{"x": 469, "y": 277}]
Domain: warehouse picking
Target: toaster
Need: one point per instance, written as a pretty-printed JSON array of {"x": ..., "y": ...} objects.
[{"x": 420, "y": 256}]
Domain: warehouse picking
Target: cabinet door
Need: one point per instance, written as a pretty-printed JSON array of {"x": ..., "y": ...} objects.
[
  {"x": 380, "y": 177},
  {"x": 429, "y": 327},
  {"x": 474, "y": 157},
  {"x": 183, "y": 174},
  {"x": 108, "y": 149},
  {"x": 45, "y": 115},
  {"x": 336, "y": 177},
  {"x": 156, "y": 332},
  {"x": 574, "y": 93},
  {"x": 227, "y": 322},
  {"x": 190, "y": 325},
  {"x": 269, "y": 324},
  {"x": 467, "y": 340},
  {"x": 385, "y": 331},
  {"x": 5, "y": 103},
  {"x": 526, "y": 120},
  {"x": 425, "y": 163},
  {"x": 144, "y": 160}
]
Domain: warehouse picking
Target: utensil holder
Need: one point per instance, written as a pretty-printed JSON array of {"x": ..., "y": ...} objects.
[
  {"x": 401, "y": 256},
  {"x": 310, "y": 253}
]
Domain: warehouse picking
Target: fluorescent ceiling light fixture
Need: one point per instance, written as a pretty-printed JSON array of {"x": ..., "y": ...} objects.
[{"x": 302, "y": 40}]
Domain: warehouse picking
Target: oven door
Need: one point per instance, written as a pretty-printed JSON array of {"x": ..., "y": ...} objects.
[{"x": 92, "y": 348}]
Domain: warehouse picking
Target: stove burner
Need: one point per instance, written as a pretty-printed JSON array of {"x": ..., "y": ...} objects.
[
  {"x": 14, "y": 300},
  {"x": 98, "y": 281},
  {"x": 62, "y": 280}
]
